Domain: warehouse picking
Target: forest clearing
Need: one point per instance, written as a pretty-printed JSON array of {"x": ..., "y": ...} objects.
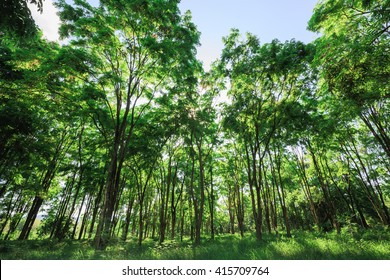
[{"x": 117, "y": 144}]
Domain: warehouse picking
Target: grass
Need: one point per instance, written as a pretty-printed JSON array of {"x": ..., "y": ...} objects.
[{"x": 371, "y": 245}]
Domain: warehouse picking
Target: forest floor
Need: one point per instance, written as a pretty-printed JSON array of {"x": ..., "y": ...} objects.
[{"x": 367, "y": 245}]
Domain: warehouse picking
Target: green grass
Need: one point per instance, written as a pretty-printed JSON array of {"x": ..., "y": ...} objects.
[{"x": 371, "y": 245}]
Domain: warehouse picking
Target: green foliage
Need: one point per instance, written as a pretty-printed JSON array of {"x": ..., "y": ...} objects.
[
  {"x": 354, "y": 58},
  {"x": 17, "y": 19},
  {"x": 118, "y": 134}
]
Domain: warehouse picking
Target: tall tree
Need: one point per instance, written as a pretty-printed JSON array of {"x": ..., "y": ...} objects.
[
  {"x": 135, "y": 50},
  {"x": 354, "y": 57},
  {"x": 265, "y": 82}
]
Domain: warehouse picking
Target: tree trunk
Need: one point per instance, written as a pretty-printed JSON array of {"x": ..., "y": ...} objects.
[
  {"x": 128, "y": 218},
  {"x": 31, "y": 217}
]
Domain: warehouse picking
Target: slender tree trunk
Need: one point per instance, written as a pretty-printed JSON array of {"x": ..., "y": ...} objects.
[
  {"x": 60, "y": 215},
  {"x": 281, "y": 191},
  {"x": 78, "y": 217},
  {"x": 182, "y": 219},
  {"x": 365, "y": 180},
  {"x": 31, "y": 217},
  {"x": 140, "y": 224},
  {"x": 61, "y": 234},
  {"x": 164, "y": 194},
  {"x": 211, "y": 204},
  {"x": 45, "y": 184},
  {"x": 231, "y": 198},
  {"x": 266, "y": 202},
  {"x": 325, "y": 190},
  {"x": 85, "y": 218},
  {"x": 199, "y": 213},
  {"x": 96, "y": 209},
  {"x": 192, "y": 202},
  {"x": 254, "y": 191},
  {"x": 174, "y": 204},
  {"x": 128, "y": 218},
  {"x": 378, "y": 131},
  {"x": 5, "y": 218},
  {"x": 307, "y": 191},
  {"x": 238, "y": 195}
]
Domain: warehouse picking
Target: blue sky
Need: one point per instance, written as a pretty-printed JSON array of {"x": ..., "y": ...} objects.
[{"x": 267, "y": 19}]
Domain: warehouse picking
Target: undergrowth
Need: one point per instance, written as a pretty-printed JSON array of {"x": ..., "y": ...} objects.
[{"x": 367, "y": 245}]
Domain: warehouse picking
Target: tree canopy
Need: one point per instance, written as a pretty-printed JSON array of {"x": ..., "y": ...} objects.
[{"x": 119, "y": 133}]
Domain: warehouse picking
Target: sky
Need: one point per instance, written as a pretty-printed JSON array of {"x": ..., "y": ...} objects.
[{"x": 267, "y": 19}]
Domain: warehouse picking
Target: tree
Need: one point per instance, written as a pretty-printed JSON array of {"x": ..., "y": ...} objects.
[
  {"x": 265, "y": 82},
  {"x": 135, "y": 49},
  {"x": 203, "y": 136},
  {"x": 16, "y": 17},
  {"x": 355, "y": 59}
]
